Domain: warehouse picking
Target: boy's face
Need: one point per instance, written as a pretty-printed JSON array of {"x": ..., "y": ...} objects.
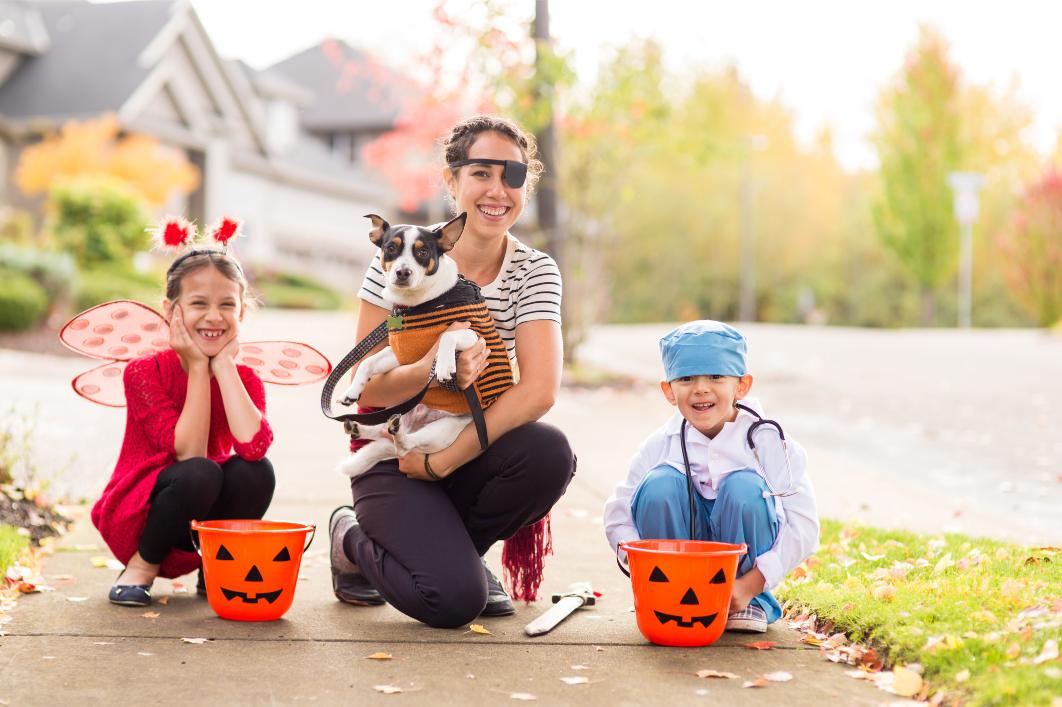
[{"x": 707, "y": 402}]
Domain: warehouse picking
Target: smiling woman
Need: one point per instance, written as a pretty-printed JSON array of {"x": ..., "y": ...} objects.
[{"x": 441, "y": 516}]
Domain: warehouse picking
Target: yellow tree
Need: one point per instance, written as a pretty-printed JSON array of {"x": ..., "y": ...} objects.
[{"x": 95, "y": 148}]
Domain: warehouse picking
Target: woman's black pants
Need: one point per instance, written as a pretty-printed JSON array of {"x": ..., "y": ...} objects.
[{"x": 420, "y": 542}]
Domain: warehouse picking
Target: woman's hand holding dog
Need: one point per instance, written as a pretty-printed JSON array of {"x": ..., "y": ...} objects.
[{"x": 471, "y": 361}]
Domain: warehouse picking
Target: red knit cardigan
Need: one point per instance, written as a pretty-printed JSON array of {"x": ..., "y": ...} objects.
[{"x": 155, "y": 389}]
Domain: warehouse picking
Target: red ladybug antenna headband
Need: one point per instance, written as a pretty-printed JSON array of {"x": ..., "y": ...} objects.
[{"x": 176, "y": 234}]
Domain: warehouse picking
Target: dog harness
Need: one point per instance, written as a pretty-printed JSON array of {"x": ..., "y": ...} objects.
[{"x": 411, "y": 332}]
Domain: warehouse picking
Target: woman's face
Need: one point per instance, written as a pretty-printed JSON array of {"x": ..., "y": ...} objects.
[{"x": 479, "y": 190}]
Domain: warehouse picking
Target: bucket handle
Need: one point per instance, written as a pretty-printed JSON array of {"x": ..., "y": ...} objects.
[
  {"x": 193, "y": 526},
  {"x": 619, "y": 564}
]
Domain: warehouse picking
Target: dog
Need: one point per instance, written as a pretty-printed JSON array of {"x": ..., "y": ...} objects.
[{"x": 423, "y": 282}]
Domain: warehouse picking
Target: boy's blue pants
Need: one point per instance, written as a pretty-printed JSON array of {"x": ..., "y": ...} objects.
[{"x": 740, "y": 514}]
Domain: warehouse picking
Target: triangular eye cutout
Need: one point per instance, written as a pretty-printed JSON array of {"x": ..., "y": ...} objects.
[
  {"x": 282, "y": 556},
  {"x": 719, "y": 578},
  {"x": 658, "y": 576},
  {"x": 224, "y": 554}
]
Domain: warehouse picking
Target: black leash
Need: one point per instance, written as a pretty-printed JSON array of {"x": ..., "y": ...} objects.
[{"x": 360, "y": 351}]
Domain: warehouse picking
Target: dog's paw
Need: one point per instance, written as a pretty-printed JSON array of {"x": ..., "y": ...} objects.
[
  {"x": 352, "y": 394},
  {"x": 394, "y": 423},
  {"x": 351, "y": 428},
  {"x": 445, "y": 368}
]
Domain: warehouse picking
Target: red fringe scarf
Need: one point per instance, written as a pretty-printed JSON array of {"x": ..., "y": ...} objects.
[{"x": 524, "y": 557}]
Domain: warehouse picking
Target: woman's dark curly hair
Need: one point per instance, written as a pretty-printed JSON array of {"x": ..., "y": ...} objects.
[{"x": 457, "y": 144}]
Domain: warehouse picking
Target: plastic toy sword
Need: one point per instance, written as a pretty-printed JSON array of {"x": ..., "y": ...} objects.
[{"x": 577, "y": 595}]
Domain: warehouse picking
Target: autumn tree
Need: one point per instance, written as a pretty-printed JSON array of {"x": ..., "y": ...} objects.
[
  {"x": 919, "y": 142},
  {"x": 96, "y": 148},
  {"x": 1032, "y": 247}
]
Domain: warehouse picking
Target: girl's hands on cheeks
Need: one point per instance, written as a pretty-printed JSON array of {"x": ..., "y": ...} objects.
[
  {"x": 181, "y": 341},
  {"x": 225, "y": 360}
]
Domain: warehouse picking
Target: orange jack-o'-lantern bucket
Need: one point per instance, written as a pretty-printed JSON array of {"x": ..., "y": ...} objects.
[
  {"x": 251, "y": 566},
  {"x": 682, "y": 588}
]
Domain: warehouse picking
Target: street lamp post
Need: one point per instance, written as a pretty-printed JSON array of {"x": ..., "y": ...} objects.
[{"x": 966, "y": 187}]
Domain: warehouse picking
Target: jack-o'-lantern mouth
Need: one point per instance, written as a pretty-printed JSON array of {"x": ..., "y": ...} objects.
[
  {"x": 705, "y": 621},
  {"x": 247, "y": 599}
]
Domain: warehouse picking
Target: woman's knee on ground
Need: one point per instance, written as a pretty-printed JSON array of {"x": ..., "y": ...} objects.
[
  {"x": 454, "y": 602},
  {"x": 550, "y": 463}
]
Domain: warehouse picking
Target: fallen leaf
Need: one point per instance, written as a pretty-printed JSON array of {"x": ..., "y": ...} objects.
[
  {"x": 1050, "y": 652},
  {"x": 76, "y": 599},
  {"x": 758, "y": 682},
  {"x": 872, "y": 558},
  {"x": 1013, "y": 651},
  {"x": 103, "y": 643},
  {"x": 151, "y": 614},
  {"x": 380, "y": 655},
  {"x": 480, "y": 629},
  {"x": 715, "y": 674},
  {"x": 580, "y": 667},
  {"x": 196, "y": 641},
  {"x": 861, "y": 675},
  {"x": 576, "y": 680},
  {"x": 779, "y": 676},
  {"x": 524, "y": 696},
  {"x": 387, "y": 689},
  {"x": 943, "y": 564},
  {"x": 761, "y": 645},
  {"x": 470, "y": 676},
  {"x": 884, "y": 592},
  {"x": 905, "y": 682},
  {"x": 145, "y": 653},
  {"x": 599, "y": 649},
  {"x": 164, "y": 600},
  {"x": 962, "y": 676}
]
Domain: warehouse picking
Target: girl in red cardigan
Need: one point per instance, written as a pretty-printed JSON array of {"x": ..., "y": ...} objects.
[{"x": 195, "y": 436}]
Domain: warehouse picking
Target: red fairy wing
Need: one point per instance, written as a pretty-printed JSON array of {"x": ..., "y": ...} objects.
[
  {"x": 284, "y": 362},
  {"x": 103, "y": 384},
  {"x": 120, "y": 331}
]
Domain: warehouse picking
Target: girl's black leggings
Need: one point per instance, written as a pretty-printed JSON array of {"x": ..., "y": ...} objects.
[{"x": 200, "y": 489}]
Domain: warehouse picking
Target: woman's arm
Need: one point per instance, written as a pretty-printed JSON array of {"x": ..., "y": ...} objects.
[
  {"x": 541, "y": 359},
  {"x": 402, "y": 383}
]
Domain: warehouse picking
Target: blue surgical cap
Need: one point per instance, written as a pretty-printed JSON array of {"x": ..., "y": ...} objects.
[{"x": 703, "y": 348}]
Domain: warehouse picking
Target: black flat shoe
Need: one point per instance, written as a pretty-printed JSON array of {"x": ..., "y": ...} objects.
[
  {"x": 130, "y": 595},
  {"x": 498, "y": 601}
]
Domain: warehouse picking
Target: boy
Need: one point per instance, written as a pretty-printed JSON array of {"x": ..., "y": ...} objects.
[{"x": 769, "y": 506}]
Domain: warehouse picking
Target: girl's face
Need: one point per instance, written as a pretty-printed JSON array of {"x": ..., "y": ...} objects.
[
  {"x": 212, "y": 308},
  {"x": 479, "y": 190}
]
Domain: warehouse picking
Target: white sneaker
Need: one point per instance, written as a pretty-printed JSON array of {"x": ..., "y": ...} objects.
[{"x": 751, "y": 619}]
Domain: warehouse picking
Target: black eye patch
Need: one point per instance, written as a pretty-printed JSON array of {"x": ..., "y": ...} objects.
[{"x": 513, "y": 173}]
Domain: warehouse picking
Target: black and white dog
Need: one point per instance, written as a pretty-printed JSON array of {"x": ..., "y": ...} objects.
[{"x": 417, "y": 270}]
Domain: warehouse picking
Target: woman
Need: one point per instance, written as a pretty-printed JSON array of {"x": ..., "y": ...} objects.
[{"x": 415, "y": 542}]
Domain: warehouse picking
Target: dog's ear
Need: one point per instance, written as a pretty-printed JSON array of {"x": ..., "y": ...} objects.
[
  {"x": 379, "y": 227},
  {"x": 449, "y": 233}
]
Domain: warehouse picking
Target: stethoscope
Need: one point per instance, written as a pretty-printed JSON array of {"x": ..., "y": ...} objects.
[{"x": 760, "y": 422}]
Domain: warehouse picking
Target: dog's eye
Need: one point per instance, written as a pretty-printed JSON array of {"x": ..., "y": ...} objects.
[{"x": 391, "y": 248}]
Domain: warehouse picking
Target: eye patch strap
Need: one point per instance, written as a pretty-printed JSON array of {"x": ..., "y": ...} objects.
[{"x": 514, "y": 173}]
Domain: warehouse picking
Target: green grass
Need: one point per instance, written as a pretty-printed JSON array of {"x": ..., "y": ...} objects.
[
  {"x": 11, "y": 546},
  {"x": 951, "y": 603}
]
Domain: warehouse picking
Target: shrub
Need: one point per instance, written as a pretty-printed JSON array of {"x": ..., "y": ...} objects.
[
  {"x": 293, "y": 291},
  {"x": 11, "y": 546},
  {"x": 54, "y": 272},
  {"x": 98, "y": 220},
  {"x": 23, "y": 302},
  {"x": 102, "y": 284}
]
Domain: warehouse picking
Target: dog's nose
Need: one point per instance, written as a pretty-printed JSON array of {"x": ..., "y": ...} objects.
[{"x": 402, "y": 274}]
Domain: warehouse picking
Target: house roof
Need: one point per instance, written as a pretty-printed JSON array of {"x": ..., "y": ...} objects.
[
  {"x": 93, "y": 64},
  {"x": 21, "y": 29},
  {"x": 352, "y": 91}
]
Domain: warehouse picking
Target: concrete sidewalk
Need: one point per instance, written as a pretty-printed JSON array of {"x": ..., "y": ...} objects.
[{"x": 59, "y": 650}]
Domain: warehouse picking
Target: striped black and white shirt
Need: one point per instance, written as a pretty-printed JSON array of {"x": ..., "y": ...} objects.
[{"x": 527, "y": 288}]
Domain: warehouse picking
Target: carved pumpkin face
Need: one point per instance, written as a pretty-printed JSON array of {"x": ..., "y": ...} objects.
[
  {"x": 682, "y": 588},
  {"x": 251, "y": 586}
]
